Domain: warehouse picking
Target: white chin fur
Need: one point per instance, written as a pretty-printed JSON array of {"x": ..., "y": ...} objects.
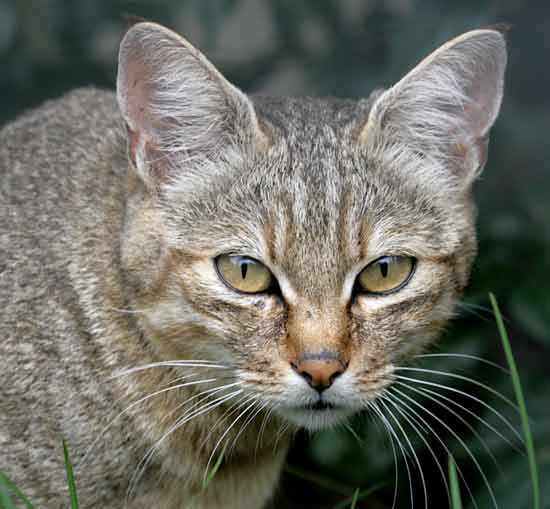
[{"x": 314, "y": 420}]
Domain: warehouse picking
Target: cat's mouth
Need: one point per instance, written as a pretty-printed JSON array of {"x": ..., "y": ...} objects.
[
  {"x": 317, "y": 415},
  {"x": 321, "y": 406}
]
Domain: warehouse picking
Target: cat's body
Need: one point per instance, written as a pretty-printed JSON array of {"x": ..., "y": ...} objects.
[{"x": 108, "y": 264}]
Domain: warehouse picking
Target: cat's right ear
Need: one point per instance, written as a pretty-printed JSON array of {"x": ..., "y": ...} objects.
[
  {"x": 178, "y": 108},
  {"x": 434, "y": 123}
]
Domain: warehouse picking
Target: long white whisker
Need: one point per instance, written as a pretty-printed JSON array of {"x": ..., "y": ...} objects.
[
  {"x": 234, "y": 407},
  {"x": 464, "y": 378},
  {"x": 394, "y": 453},
  {"x": 383, "y": 400},
  {"x": 172, "y": 364},
  {"x": 390, "y": 429},
  {"x": 283, "y": 428},
  {"x": 464, "y": 445},
  {"x": 250, "y": 418},
  {"x": 414, "y": 423},
  {"x": 262, "y": 428},
  {"x": 464, "y": 356},
  {"x": 438, "y": 438},
  {"x": 433, "y": 395},
  {"x": 179, "y": 422},
  {"x": 138, "y": 402},
  {"x": 254, "y": 399},
  {"x": 466, "y": 395}
]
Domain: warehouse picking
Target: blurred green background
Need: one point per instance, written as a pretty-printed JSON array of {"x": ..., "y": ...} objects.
[{"x": 347, "y": 48}]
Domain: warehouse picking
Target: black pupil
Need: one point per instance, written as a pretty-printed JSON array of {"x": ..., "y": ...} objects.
[
  {"x": 244, "y": 268},
  {"x": 384, "y": 268}
]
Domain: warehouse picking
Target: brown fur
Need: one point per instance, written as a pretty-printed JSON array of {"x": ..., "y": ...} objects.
[{"x": 113, "y": 211}]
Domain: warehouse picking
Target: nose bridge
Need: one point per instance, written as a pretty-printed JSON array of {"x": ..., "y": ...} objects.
[{"x": 314, "y": 330}]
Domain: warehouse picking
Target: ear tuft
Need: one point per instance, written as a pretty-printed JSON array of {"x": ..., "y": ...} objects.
[
  {"x": 177, "y": 106},
  {"x": 438, "y": 117}
]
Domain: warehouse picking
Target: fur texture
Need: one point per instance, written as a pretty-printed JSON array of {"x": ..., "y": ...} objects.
[{"x": 118, "y": 334}]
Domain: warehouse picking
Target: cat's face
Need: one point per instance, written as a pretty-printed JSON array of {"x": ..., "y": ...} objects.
[
  {"x": 314, "y": 212},
  {"x": 314, "y": 251}
]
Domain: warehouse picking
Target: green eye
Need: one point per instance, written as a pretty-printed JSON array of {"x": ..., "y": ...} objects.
[
  {"x": 244, "y": 274},
  {"x": 387, "y": 274}
]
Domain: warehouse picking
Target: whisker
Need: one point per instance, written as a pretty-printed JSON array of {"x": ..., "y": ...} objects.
[
  {"x": 394, "y": 453},
  {"x": 234, "y": 407},
  {"x": 172, "y": 364},
  {"x": 135, "y": 403},
  {"x": 199, "y": 398},
  {"x": 282, "y": 429},
  {"x": 262, "y": 428},
  {"x": 440, "y": 440},
  {"x": 179, "y": 422},
  {"x": 434, "y": 394},
  {"x": 383, "y": 401},
  {"x": 470, "y": 307},
  {"x": 398, "y": 403},
  {"x": 250, "y": 418},
  {"x": 466, "y": 395},
  {"x": 254, "y": 400},
  {"x": 465, "y": 356},
  {"x": 464, "y": 378},
  {"x": 457, "y": 437},
  {"x": 473, "y": 309},
  {"x": 389, "y": 427}
]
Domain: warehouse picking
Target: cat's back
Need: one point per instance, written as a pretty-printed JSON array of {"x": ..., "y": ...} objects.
[
  {"x": 62, "y": 181},
  {"x": 59, "y": 164},
  {"x": 49, "y": 149}
]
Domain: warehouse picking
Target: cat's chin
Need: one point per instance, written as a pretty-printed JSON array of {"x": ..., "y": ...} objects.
[{"x": 317, "y": 418}]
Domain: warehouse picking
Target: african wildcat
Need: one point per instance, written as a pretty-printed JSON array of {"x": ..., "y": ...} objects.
[{"x": 264, "y": 261}]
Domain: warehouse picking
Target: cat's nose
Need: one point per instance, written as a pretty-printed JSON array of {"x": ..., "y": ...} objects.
[{"x": 320, "y": 372}]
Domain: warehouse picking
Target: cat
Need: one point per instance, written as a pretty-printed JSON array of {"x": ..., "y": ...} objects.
[{"x": 189, "y": 274}]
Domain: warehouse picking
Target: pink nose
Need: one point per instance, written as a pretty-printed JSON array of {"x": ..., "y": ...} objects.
[{"x": 320, "y": 372}]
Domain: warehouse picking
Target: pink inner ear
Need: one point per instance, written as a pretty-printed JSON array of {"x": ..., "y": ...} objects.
[
  {"x": 479, "y": 109},
  {"x": 138, "y": 95}
]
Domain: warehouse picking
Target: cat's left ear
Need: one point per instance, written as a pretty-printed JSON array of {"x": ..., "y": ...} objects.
[{"x": 436, "y": 120}]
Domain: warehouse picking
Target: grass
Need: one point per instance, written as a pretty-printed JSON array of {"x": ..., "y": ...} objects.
[
  {"x": 456, "y": 501},
  {"x": 9, "y": 491},
  {"x": 6, "y": 487},
  {"x": 516, "y": 382},
  {"x": 70, "y": 477},
  {"x": 5, "y": 499},
  {"x": 208, "y": 479}
]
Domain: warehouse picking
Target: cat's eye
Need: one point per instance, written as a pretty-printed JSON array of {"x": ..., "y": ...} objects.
[
  {"x": 386, "y": 274},
  {"x": 244, "y": 274}
]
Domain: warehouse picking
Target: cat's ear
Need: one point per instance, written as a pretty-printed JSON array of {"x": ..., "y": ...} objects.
[
  {"x": 177, "y": 106},
  {"x": 436, "y": 120}
]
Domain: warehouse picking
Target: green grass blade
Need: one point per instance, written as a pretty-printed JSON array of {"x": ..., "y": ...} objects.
[
  {"x": 7, "y": 485},
  {"x": 354, "y": 500},
  {"x": 456, "y": 501},
  {"x": 208, "y": 479},
  {"x": 360, "y": 495},
  {"x": 70, "y": 477},
  {"x": 521, "y": 402},
  {"x": 5, "y": 498}
]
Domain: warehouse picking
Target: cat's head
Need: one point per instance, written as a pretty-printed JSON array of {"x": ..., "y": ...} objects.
[{"x": 311, "y": 245}]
